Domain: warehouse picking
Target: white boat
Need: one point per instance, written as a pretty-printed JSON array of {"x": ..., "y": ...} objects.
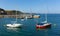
[{"x": 14, "y": 24}]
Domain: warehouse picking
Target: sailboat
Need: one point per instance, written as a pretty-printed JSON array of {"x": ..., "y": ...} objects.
[
  {"x": 15, "y": 24},
  {"x": 44, "y": 24}
]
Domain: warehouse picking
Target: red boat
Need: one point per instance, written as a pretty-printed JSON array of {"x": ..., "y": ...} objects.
[{"x": 43, "y": 25}]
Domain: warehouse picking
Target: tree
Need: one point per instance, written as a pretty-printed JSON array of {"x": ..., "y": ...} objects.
[{"x": 2, "y": 12}]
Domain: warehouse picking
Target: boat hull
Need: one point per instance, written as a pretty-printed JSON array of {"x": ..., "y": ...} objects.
[
  {"x": 14, "y": 25},
  {"x": 43, "y": 26}
]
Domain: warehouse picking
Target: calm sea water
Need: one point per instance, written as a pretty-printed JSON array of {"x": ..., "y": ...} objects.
[{"x": 29, "y": 28}]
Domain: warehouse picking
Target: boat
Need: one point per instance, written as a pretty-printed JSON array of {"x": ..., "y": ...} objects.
[
  {"x": 14, "y": 24},
  {"x": 36, "y": 16},
  {"x": 43, "y": 25}
]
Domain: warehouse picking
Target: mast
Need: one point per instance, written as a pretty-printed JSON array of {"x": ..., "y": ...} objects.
[
  {"x": 30, "y": 11},
  {"x": 46, "y": 17},
  {"x": 16, "y": 15},
  {"x": 47, "y": 12}
]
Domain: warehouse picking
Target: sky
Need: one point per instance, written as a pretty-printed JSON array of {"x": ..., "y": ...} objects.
[{"x": 32, "y": 6}]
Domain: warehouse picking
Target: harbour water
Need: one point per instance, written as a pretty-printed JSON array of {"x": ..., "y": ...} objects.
[{"x": 29, "y": 28}]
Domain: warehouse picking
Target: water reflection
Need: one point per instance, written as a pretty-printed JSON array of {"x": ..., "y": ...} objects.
[
  {"x": 13, "y": 29},
  {"x": 43, "y": 29}
]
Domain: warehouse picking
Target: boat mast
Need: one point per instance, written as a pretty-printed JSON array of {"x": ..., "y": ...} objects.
[
  {"x": 46, "y": 16},
  {"x": 46, "y": 12},
  {"x": 16, "y": 15}
]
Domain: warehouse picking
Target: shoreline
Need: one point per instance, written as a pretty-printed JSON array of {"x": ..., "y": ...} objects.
[{"x": 20, "y": 16}]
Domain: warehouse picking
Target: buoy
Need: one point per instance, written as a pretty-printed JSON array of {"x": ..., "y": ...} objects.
[{"x": 54, "y": 24}]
